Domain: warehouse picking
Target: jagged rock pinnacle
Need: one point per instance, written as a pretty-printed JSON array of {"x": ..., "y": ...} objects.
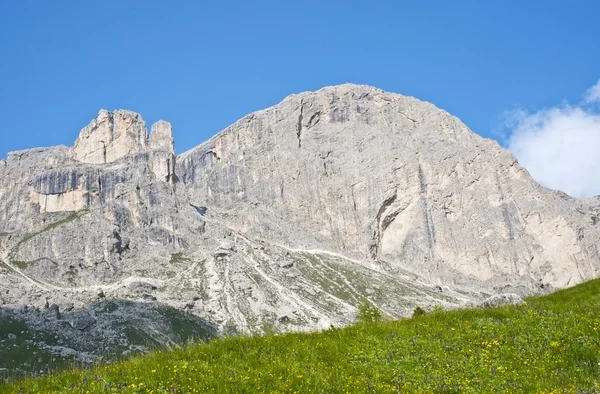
[{"x": 110, "y": 136}]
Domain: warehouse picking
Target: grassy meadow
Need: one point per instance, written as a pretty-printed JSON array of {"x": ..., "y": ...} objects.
[{"x": 550, "y": 345}]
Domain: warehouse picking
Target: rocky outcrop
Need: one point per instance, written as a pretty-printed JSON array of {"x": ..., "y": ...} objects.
[
  {"x": 161, "y": 137},
  {"x": 109, "y": 137},
  {"x": 502, "y": 299},
  {"x": 289, "y": 217},
  {"x": 162, "y": 158},
  {"x": 70, "y": 211}
]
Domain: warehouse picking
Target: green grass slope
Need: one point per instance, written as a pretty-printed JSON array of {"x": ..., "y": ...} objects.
[{"x": 550, "y": 345}]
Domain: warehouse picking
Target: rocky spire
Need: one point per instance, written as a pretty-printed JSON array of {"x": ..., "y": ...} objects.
[
  {"x": 162, "y": 156},
  {"x": 110, "y": 136},
  {"x": 161, "y": 136}
]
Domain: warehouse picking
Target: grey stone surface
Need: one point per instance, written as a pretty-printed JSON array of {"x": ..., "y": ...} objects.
[
  {"x": 502, "y": 299},
  {"x": 82, "y": 321},
  {"x": 287, "y": 218}
]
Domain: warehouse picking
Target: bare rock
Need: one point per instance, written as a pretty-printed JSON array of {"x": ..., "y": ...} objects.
[
  {"x": 502, "y": 299},
  {"x": 222, "y": 252},
  {"x": 148, "y": 297},
  {"x": 161, "y": 136},
  {"x": 109, "y": 137},
  {"x": 82, "y": 321},
  {"x": 140, "y": 287},
  {"x": 162, "y": 157},
  {"x": 52, "y": 312}
]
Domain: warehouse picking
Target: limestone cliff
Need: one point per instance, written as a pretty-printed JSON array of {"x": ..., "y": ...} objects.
[{"x": 391, "y": 179}]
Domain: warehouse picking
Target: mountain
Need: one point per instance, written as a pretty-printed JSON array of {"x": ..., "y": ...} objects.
[{"x": 285, "y": 220}]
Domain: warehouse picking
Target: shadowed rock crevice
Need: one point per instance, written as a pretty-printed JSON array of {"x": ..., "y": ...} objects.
[
  {"x": 299, "y": 126},
  {"x": 381, "y": 225},
  {"x": 314, "y": 120}
]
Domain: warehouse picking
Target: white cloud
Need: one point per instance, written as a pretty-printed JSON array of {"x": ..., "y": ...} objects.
[
  {"x": 560, "y": 146},
  {"x": 593, "y": 94}
]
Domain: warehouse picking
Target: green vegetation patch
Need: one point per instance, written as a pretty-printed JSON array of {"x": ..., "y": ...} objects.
[
  {"x": 327, "y": 278},
  {"x": 73, "y": 216},
  {"x": 550, "y": 345},
  {"x": 21, "y": 354},
  {"x": 178, "y": 258},
  {"x": 20, "y": 264},
  {"x": 186, "y": 326},
  {"x": 140, "y": 337},
  {"x": 23, "y": 265}
]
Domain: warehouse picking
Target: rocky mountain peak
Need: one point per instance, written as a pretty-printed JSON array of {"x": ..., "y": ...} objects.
[
  {"x": 109, "y": 137},
  {"x": 161, "y": 136}
]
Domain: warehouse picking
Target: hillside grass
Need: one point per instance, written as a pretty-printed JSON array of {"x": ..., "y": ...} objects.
[{"x": 550, "y": 345}]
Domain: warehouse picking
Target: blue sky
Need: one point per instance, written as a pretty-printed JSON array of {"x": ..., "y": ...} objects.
[{"x": 202, "y": 65}]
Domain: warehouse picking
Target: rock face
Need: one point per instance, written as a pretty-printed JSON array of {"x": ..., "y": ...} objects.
[
  {"x": 289, "y": 217},
  {"x": 391, "y": 179},
  {"x": 66, "y": 211}
]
